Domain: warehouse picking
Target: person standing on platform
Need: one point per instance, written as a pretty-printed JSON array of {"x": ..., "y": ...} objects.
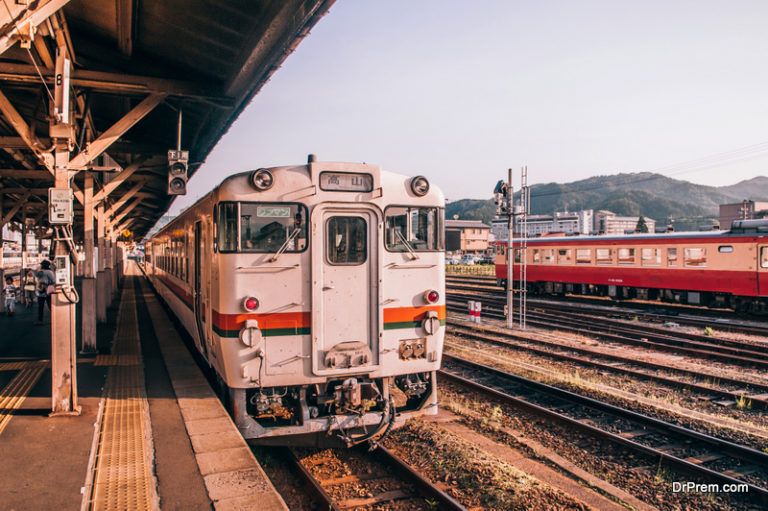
[
  {"x": 46, "y": 281},
  {"x": 29, "y": 288},
  {"x": 10, "y": 296}
]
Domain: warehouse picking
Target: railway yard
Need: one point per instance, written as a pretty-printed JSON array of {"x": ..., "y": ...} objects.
[{"x": 592, "y": 405}]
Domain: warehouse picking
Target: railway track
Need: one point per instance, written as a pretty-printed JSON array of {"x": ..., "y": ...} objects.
[
  {"x": 755, "y": 394},
  {"x": 670, "y": 446},
  {"x": 358, "y": 479},
  {"x": 731, "y": 352},
  {"x": 722, "y": 319}
]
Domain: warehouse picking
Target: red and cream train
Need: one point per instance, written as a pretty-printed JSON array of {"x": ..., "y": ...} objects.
[
  {"x": 715, "y": 269},
  {"x": 314, "y": 291}
]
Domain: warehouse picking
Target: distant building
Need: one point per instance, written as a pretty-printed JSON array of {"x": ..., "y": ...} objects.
[
  {"x": 563, "y": 222},
  {"x": 608, "y": 222},
  {"x": 744, "y": 210},
  {"x": 469, "y": 236}
]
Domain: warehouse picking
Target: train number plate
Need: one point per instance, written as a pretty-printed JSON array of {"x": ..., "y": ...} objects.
[{"x": 346, "y": 182}]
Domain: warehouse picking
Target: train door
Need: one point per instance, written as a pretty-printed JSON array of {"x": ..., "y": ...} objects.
[
  {"x": 345, "y": 278},
  {"x": 200, "y": 316},
  {"x": 762, "y": 270}
]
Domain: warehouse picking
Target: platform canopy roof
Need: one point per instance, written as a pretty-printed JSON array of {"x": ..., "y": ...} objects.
[{"x": 134, "y": 65}]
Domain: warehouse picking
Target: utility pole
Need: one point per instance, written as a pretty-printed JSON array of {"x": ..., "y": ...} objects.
[{"x": 503, "y": 195}]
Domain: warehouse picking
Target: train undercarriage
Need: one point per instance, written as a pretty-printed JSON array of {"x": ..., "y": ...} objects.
[{"x": 343, "y": 412}]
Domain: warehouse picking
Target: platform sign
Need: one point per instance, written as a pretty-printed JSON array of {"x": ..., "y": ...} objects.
[{"x": 60, "y": 206}]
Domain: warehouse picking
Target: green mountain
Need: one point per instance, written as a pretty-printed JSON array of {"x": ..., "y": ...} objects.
[{"x": 652, "y": 195}]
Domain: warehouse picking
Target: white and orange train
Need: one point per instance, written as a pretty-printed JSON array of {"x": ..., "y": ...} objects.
[
  {"x": 715, "y": 269},
  {"x": 314, "y": 291}
]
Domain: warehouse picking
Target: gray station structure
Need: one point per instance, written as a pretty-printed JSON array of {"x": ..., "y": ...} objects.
[{"x": 98, "y": 99}]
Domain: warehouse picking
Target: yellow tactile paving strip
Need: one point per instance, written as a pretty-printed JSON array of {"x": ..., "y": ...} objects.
[
  {"x": 17, "y": 389},
  {"x": 122, "y": 475}
]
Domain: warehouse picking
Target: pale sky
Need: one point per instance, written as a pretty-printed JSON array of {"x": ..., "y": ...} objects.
[{"x": 460, "y": 91}]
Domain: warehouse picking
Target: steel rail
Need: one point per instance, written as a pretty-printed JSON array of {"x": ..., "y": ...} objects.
[
  {"x": 683, "y": 465},
  {"x": 400, "y": 468},
  {"x": 467, "y": 331},
  {"x": 644, "y": 308},
  {"x": 550, "y": 321}
]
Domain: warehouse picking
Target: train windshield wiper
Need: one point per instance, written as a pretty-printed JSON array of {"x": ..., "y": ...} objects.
[
  {"x": 282, "y": 249},
  {"x": 407, "y": 246}
]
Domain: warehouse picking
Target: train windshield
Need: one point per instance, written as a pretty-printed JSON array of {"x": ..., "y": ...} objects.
[
  {"x": 262, "y": 227},
  {"x": 414, "y": 228}
]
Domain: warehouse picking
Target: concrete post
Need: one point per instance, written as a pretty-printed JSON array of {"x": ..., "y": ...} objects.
[
  {"x": 109, "y": 292},
  {"x": 63, "y": 362},
  {"x": 101, "y": 279},
  {"x": 89, "y": 271}
]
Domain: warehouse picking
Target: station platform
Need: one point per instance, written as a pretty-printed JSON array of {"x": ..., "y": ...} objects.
[{"x": 151, "y": 433}]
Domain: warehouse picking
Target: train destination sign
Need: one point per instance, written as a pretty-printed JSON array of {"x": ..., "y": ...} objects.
[
  {"x": 345, "y": 182},
  {"x": 273, "y": 211}
]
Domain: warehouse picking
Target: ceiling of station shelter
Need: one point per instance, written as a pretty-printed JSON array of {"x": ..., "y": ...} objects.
[{"x": 132, "y": 60}]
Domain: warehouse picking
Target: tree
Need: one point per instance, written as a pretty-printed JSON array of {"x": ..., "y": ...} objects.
[{"x": 641, "y": 226}]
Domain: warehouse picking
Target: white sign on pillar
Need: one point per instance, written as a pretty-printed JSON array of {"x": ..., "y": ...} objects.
[{"x": 61, "y": 87}]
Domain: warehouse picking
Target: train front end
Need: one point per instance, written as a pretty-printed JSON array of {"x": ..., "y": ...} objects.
[{"x": 328, "y": 285}]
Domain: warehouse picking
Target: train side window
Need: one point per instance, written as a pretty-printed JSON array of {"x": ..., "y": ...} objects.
[
  {"x": 650, "y": 257},
  {"x": 763, "y": 257},
  {"x": 226, "y": 227},
  {"x": 672, "y": 256},
  {"x": 549, "y": 256},
  {"x": 516, "y": 252},
  {"x": 414, "y": 228},
  {"x": 564, "y": 256},
  {"x": 626, "y": 256},
  {"x": 536, "y": 256},
  {"x": 695, "y": 257},
  {"x": 583, "y": 256},
  {"x": 604, "y": 255},
  {"x": 725, "y": 249},
  {"x": 347, "y": 242}
]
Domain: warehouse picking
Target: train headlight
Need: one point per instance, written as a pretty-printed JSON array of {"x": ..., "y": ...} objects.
[
  {"x": 431, "y": 296},
  {"x": 250, "y": 304},
  {"x": 420, "y": 186},
  {"x": 262, "y": 179}
]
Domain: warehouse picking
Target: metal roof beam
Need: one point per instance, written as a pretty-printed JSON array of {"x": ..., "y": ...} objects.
[
  {"x": 117, "y": 181},
  {"x": 26, "y": 174},
  {"x": 16, "y": 208},
  {"x": 125, "y": 26},
  {"x": 118, "y": 83},
  {"x": 19, "y": 22},
  {"x": 21, "y": 127},
  {"x": 124, "y": 198},
  {"x": 98, "y": 146}
]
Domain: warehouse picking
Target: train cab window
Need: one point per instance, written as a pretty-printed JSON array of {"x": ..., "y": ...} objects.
[
  {"x": 583, "y": 256},
  {"x": 695, "y": 257},
  {"x": 725, "y": 249},
  {"x": 414, "y": 229},
  {"x": 672, "y": 256},
  {"x": 626, "y": 256},
  {"x": 270, "y": 227},
  {"x": 763, "y": 257},
  {"x": 604, "y": 255},
  {"x": 564, "y": 256},
  {"x": 650, "y": 257},
  {"x": 347, "y": 241}
]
